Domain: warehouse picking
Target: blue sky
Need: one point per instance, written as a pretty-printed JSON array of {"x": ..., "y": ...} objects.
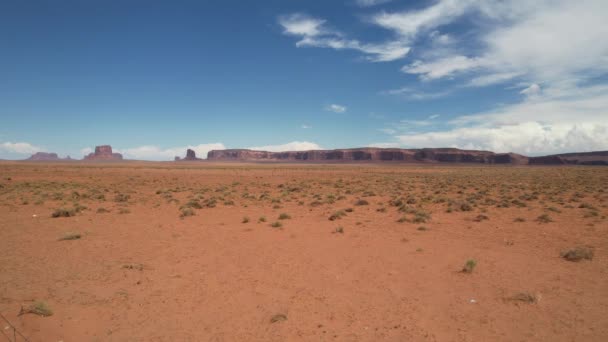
[{"x": 153, "y": 78}]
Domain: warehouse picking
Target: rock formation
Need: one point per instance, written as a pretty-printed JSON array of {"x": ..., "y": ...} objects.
[
  {"x": 581, "y": 158},
  {"x": 190, "y": 155},
  {"x": 103, "y": 153},
  {"x": 46, "y": 156},
  {"x": 425, "y": 155}
]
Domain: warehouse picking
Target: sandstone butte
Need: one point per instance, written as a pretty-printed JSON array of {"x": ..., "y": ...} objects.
[
  {"x": 190, "y": 155},
  {"x": 46, "y": 156},
  {"x": 103, "y": 153},
  {"x": 424, "y": 155}
]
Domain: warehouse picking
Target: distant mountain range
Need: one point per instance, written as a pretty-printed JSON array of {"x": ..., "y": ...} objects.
[
  {"x": 424, "y": 155},
  {"x": 362, "y": 155}
]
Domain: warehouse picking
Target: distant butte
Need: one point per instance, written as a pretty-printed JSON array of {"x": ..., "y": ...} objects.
[
  {"x": 424, "y": 155},
  {"x": 190, "y": 155},
  {"x": 103, "y": 153},
  {"x": 46, "y": 156}
]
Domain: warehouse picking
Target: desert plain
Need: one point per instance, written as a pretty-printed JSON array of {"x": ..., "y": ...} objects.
[{"x": 142, "y": 251}]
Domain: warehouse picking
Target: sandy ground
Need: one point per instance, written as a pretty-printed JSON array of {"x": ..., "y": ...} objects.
[{"x": 386, "y": 271}]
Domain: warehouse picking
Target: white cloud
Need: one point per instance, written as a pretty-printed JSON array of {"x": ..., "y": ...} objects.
[
  {"x": 434, "y": 116},
  {"x": 314, "y": 33},
  {"x": 305, "y": 126},
  {"x": 370, "y": 3},
  {"x": 302, "y": 25},
  {"x": 335, "y": 108},
  {"x": 86, "y": 150},
  {"x": 542, "y": 124},
  {"x": 413, "y": 94},
  {"x": 444, "y": 67},
  {"x": 539, "y": 40},
  {"x": 409, "y": 23},
  {"x": 485, "y": 80},
  {"x": 19, "y": 148},
  {"x": 151, "y": 152},
  {"x": 291, "y": 146},
  {"x": 532, "y": 90}
]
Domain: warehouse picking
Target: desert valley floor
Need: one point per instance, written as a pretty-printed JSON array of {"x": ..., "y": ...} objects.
[{"x": 292, "y": 252}]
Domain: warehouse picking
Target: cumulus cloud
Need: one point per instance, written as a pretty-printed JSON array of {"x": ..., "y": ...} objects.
[
  {"x": 305, "y": 126},
  {"x": 335, "y": 108},
  {"x": 19, "y": 148},
  {"x": 542, "y": 124},
  {"x": 151, "y": 152},
  {"x": 313, "y": 32},
  {"x": 291, "y": 146}
]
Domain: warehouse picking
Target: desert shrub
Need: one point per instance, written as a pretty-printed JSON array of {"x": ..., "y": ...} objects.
[
  {"x": 337, "y": 215},
  {"x": 469, "y": 266},
  {"x": 70, "y": 236},
  {"x": 361, "y": 202},
  {"x": 339, "y": 230},
  {"x": 102, "y": 210},
  {"x": 37, "y": 308},
  {"x": 480, "y": 218},
  {"x": 284, "y": 216},
  {"x": 187, "y": 212},
  {"x": 123, "y": 211},
  {"x": 245, "y": 219},
  {"x": 278, "y": 318},
  {"x": 193, "y": 203},
  {"x": 262, "y": 219},
  {"x": 315, "y": 203},
  {"x": 421, "y": 217},
  {"x": 121, "y": 198},
  {"x": 64, "y": 213},
  {"x": 544, "y": 218},
  {"x": 577, "y": 254},
  {"x": 519, "y": 219},
  {"x": 525, "y": 297},
  {"x": 276, "y": 224}
]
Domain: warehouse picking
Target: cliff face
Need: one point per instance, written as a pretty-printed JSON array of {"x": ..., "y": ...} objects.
[
  {"x": 103, "y": 153},
  {"x": 46, "y": 156},
  {"x": 582, "y": 158},
  {"x": 429, "y": 155}
]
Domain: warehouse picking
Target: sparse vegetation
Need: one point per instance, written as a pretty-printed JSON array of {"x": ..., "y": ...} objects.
[
  {"x": 187, "y": 212},
  {"x": 469, "y": 266},
  {"x": 278, "y": 318},
  {"x": 544, "y": 218},
  {"x": 64, "y": 213},
  {"x": 361, "y": 202},
  {"x": 577, "y": 254},
  {"x": 524, "y": 297},
  {"x": 70, "y": 236},
  {"x": 39, "y": 308}
]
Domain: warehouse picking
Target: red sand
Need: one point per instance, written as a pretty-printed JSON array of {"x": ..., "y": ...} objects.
[{"x": 211, "y": 277}]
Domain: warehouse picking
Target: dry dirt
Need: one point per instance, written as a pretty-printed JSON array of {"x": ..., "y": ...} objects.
[{"x": 143, "y": 270}]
